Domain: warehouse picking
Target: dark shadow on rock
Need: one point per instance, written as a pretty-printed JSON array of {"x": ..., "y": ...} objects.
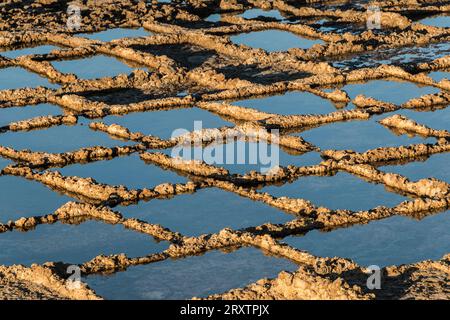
[
  {"x": 188, "y": 56},
  {"x": 260, "y": 75}
]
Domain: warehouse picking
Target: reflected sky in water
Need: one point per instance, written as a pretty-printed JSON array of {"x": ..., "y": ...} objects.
[
  {"x": 8, "y": 115},
  {"x": 189, "y": 215},
  {"x": 392, "y": 241},
  {"x": 290, "y": 103},
  {"x": 168, "y": 123},
  {"x": 130, "y": 171},
  {"x": 397, "y": 240},
  {"x": 24, "y": 198},
  {"x": 95, "y": 67},
  {"x": 185, "y": 278},
  {"x": 42, "y": 49},
  {"x": 58, "y": 139},
  {"x": 342, "y": 191},
  {"x": 76, "y": 243},
  {"x": 388, "y": 91},
  {"x": 16, "y": 78},
  {"x": 437, "y": 21},
  {"x": 357, "y": 135}
]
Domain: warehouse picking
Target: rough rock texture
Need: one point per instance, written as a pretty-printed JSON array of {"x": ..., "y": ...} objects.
[
  {"x": 37, "y": 283},
  {"x": 423, "y": 280},
  {"x": 188, "y": 62}
]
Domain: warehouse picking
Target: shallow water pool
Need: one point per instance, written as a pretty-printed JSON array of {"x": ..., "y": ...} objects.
[
  {"x": 290, "y": 103},
  {"x": 342, "y": 191},
  {"x": 185, "y": 278},
  {"x": 77, "y": 243},
  {"x": 16, "y": 78},
  {"x": 41, "y": 49},
  {"x": 393, "y": 241},
  {"x": 95, "y": 67},
  {"x": 8, "y": 115}
]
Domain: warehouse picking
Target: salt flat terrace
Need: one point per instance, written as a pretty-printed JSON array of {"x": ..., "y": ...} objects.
[{"x": 86, "y": 149}]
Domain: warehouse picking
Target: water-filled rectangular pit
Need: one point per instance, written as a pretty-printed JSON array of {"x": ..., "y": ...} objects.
[
  {"x": 388, "y": 91},
  {"x": 77, "y": 243},
  {"x": 358, "y": 136},
  {"x": 290, "y": 103},
  {"x": 95, "y": 67},
  {"x": 24, "y": 198},
  {"x": 394, "y": 241},
  {"x": 442, "y": 21},
  {"x": 342, "y": 191},
  {"x": 439, "y": 75},
  {"x": 241, "y": 156},
  {"x": 434, "y": 167},
  {"x": 40, "y": 49},
  {"x": 16, "y": 78},
  {"x": 13, "y": 114},
  {"x": 189, "y": 215},
  {"x": 258, "y": 13},
  {"x": 58, "y": 139},
  {"x": 397, "y": 56},
  {"x": 129, "y": 171},
  {"x": 194, "y": 276},
  {"x": 436, "y": 119},
  {"x": 168, "y": 123}
]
